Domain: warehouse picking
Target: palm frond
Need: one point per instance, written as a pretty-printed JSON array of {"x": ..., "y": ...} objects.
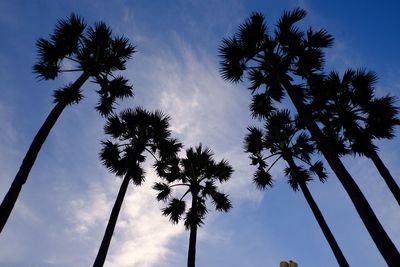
[
  {"x": 363, "y": 87},
  {"x": 122, "y": 49},
  {"x": 318, "y": 169},
  {"x": 233, "y": 60},
  {"x": 291, "y": 17},
  {"x": 48, "y": 65},
  {"x": 68, "y": 95},
  {"x": 251, "y": 34},
  {"x": 296, "y": 175},
  {"x": 262, "y": 179},
  {"x": 114, "y": 127},
  {"x": 223, "y": 171},
  {"x": 67, "y": 34},
  {"x": 169, "y": 148},
  {"x": 63, "y": 42},
  {"x": 164, "y": 191},
  {"x": 136, "y": 172},
  {"x": 303, "y": 146},
  {"x": 174, "y": 210},
  {"x": 253, "y": 141},
  {"x": 319, "y": 39},
  {"x": 110, "y": 156},
  {"x": 208, "y": 189},
  {"x": 261, "y": 106},
  {"x": 311, "y": 61},
  {"x": 110, "y": 91},
  {"x": 195, "y": 217},
  {"x": 221, "y": 201},
  {"x": 46, "y": 71},
  {"x": 383, "y": 117}
]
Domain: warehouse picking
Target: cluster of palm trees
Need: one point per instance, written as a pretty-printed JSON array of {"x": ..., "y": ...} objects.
[
  {"x": 134, "y": 133},
  {"x": 334, "y": 116}
]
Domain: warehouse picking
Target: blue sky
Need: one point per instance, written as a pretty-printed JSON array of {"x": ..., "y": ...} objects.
[{"x": 61, "y": 214}]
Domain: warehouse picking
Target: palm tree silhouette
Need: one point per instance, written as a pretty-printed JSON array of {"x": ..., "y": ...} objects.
[
  {"x": 353, "y": 112},
  {"x": 135, "y": 133},
  {"x": 198, "y": 174},
  {"x": 96, "y": 54},
  {"x": 282, "y": 138},
  {"x": 287, "y": 62}
]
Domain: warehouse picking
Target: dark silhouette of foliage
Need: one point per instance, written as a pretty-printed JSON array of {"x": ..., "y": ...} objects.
[
  {"x": 198, "y": 174},
  {"x": 135, "y": 133},
  {"x": 283, "y": 140},
  {"x": 96, "y": 54},
  {"x": 287, "y": 61},
  {"x": 352, "y": 112}
]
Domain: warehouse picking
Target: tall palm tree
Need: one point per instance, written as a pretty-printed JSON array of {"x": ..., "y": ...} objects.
[
  {"x": 96, "y": 54},
  {"x": 286, "y": 61},
  {"x": 135, "y": 133},
  {"x": 352, "y": 111},
  {"x": 198, "y": 174},
  {"x": 283, "y": 140}
]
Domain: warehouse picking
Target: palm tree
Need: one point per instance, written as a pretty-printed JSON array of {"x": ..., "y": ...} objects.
[
  {"x": 284, "y": 141},
  {"x": 135, "y": 132},
  {"x": 198, "y": 174},
  {"x": 352, "y": 111},
  {"x": 286, "y": 61},
  {"x": 96, "y": 54}
]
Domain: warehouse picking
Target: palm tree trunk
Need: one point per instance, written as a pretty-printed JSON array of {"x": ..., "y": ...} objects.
[
  {"x": 384, "y": 172},
  {"x": 11, "y": 197},
  {"x": 105, "y": 243},
  {"x": 367, "y": 215},
  {"x": 319, "y": 217},
  {"x": 193, "y": 236}
]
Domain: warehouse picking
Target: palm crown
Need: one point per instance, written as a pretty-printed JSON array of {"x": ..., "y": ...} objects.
[
  {"x": 94, "y": 52},
  {"x": 271, "y": 61},
  {"x": 351, "y": 110},
  {"x": 135, "y": 132},
  {"x": 282, "y": 139},
  {"x": 198, "y": 173}
]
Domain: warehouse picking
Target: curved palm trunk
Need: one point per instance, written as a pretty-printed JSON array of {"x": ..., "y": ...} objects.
[
  {"x": 11, "y": 197},
  {"x": 384, "y": 172},
  {"x": 105, "y": 243},
  {"x": 192, "y": 238},
  {"x": 320, "y": 218},
  {"x": 367, "y": 215}
]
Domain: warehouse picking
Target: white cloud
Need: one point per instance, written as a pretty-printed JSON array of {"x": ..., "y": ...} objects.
[
  {"x": 92, "y": 208},
  {"x": 142, "y": 234},
  {"x": 205, "y": 109}
]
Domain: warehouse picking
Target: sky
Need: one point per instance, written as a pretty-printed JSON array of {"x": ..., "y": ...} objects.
[{"x": 60, "y": 216}]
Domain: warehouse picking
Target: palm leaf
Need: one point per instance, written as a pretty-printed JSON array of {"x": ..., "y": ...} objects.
[
  {"x": 262, "y": 179},
  {"x": 164, "y": 191},
  {"x": 174, "y": 210}
]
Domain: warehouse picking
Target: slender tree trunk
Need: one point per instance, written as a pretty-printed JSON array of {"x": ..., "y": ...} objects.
[
  {"x": 193, "y": 236},
  {"x": 367, "y": 215},
  {"x": 105, "y": 243},
  {"x": 384, "y": 172},
  {"x": 11, "y": 197},
  {"x": 319, "y": 217}
]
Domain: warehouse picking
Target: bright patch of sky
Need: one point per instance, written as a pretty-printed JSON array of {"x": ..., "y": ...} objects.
[{"x": 62, "y": 211}]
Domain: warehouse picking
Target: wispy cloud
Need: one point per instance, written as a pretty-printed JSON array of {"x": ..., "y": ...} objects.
[
  {"x": 203, "y": 108},
  {"x": 142, "y": 234}
]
